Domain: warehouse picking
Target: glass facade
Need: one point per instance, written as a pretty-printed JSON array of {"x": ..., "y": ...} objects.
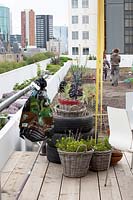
[{"x": 4, "y": 23}]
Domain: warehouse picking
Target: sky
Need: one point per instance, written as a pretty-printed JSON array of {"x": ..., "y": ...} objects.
[{"x": 57, "y": 8}]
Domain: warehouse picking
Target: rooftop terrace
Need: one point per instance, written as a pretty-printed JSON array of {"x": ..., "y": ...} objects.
[{"x": 47, "y": 182}]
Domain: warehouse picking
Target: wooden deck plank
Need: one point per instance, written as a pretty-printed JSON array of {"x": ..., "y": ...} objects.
[
  {"x": 89, "y": 187},
  {"x": 17, "y": 176},
  {"x": 70, "y": 189},
  {"x": 46, "y": 181},
  {"x": 111, "y": 191},
  {"x": 10, "y": 165},
  {"x": 125, "y": 179},
  {"x": 51, "y": 187},
  {"x": 35, "y": 180}
]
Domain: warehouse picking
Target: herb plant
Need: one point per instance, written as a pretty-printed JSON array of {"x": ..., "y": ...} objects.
[{"x": 70, "y": 144}]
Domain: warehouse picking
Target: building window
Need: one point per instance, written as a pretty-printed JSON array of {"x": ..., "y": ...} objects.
[
  {"x": 74, "y": 3},
  {"x": 129, "y": 6},
  {"x": 85, "y": 51},
  {"x": 85, "y": 3},
  {"x": 74, "y": 19},
  {"x": 128, "y": 22},
  {"x": 85, "y": 19},
  {"x": 74, "y": 35},
  {"x": 129, "y": 39},
  {"x": 75, "y": 51},
  {"x": 85, "y": 35}
]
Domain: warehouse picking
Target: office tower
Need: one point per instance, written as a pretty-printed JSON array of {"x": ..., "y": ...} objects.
[
  {"x": 4, "y": 24},
  {"x": 119, "y": 25},
  {"x": 15, "y": 39},
  {"x": 44, "y": 30},
  {"x": 27, "y": 28},
  {"x": 82, "y": 29},
  {"x": 61, "y": 34}
]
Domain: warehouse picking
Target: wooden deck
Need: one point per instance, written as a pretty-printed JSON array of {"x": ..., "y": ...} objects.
[{"x": 46, "y": 181}]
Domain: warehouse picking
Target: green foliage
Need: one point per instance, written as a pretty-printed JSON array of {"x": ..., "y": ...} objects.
[
  {"x": 89, "y": 92},
  {"x": 59, "y": 60},
  {"x": 8, "y": 66},
  {"x": 37, "y": 57},
  {"x": 53, "y": 68},
  {"x": 102, "y": 144},
  {"x": 65, "y": 59},
  {"x": 49, "y": 54},
  {"x": 39, "y": 71},
  {"x": 66, "y": 90},
  {"x": 3, "y": 120},
  {"x": 70, "y": 144},
  {"x": 21, "y": 86},
  {"x": 92, "y": 57}
]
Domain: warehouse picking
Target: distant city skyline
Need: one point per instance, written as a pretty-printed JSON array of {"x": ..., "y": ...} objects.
[{"x": 58, "y": 8}]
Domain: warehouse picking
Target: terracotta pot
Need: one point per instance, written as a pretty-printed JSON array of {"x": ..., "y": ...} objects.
[{"x": 116, "y": 157}]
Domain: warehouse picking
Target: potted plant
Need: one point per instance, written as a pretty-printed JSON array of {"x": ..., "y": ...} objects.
[
  {"x": 75, "y": 156},
  {"x": 102, "y": 154}
]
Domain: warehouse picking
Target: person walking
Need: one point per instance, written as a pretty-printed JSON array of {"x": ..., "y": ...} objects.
[
  {"x": 115, "y": 60},
  {"x": 106, "y": 66}
]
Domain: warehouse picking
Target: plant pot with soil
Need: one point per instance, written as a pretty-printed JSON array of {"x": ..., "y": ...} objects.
[
  {"x": 116, "y": 157},
  {"x": 101, "y": 156},
  {"x": 75, "y": 156}
]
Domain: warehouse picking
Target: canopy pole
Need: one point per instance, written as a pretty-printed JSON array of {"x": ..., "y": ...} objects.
[{"x": 99, "y": 63}]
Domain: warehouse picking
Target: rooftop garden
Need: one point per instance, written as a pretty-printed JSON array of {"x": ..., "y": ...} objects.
[{"x": 8, "y": 66}]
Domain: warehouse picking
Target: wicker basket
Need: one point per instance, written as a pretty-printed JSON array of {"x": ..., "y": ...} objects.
[
  {"x": 75, "y": 164},
  {"x": 100, "y": 160}
]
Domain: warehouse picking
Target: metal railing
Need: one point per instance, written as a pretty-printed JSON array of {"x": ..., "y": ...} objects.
[{"x": 13, "y": 98}]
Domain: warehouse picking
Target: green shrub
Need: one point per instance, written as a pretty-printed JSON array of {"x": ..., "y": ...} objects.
[
  {"x": 53, "y": 68},
  {"x": 8, "y": 66},
  {"x": 49, "y": 54}
]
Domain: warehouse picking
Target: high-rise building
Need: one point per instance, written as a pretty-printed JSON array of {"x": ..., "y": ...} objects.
[
  {"x": 119, "y": 25},
  {"x": 61, "y": 34},
  {"x": 44, "y": 30},
  {"x": 4, "y": 24},
  {"x": 82, "y": 29},
  {"x": 15, "y": 39},
  {"x": 27, "y": 28}
]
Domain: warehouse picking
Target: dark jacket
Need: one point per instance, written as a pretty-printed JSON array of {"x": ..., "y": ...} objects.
[{"x": 115, "y": 59}]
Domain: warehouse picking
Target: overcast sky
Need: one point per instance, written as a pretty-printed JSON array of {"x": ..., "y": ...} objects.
[{"x": 57, "y": 8}]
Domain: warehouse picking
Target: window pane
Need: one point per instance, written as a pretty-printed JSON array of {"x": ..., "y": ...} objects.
[
  {"x": 74, "y": 19},
  {"x": 128, "y": 22},
  {"x": 85, "y": 51},
  {"x": 75, "y": 51},
  {"x": 85, "y": 3},
  {"x": 85, "y": 35},
  {"x": 74, "y": 3},
  {"x": 74, "y": 35},
  {"x": 129, "y": 6},
  {"x": 85, "y": 19}
]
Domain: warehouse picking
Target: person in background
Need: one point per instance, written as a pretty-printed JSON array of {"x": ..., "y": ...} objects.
[
  {"x": 115, "y": 60},
  {"x": 106, "y": 66}
]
